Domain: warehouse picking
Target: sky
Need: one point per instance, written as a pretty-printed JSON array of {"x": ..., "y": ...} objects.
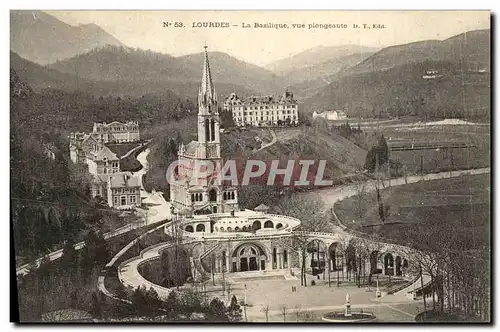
[{"x": 261, "y": 46}]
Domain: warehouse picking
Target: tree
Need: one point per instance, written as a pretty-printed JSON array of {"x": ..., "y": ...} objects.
[
  {"x": 284, "y": 311},
  {"x": 69, "y": 258},
  {"x": 265, "y": 310},
  {"x": 171, "y": 304},
  {"x": 153, "y": 301},
  {"x": 360, "y": 198},
  {"x": 217, "y": 311},
  {"x": 298, "y": 312},
  {"x": 96, "y": 310},
  {"x": 378, "y": 153},
  {"x": 234, "y": 311},
  {"x": 226, "y": 119},
  {"x": 95, "y": 251}
]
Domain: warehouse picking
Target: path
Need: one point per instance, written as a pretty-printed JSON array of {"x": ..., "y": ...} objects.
[
  {"x": 128, "y": 270},
  {"x": 134, "y": 149},
  {"x": 332, "y": 195},
  {"x": 268, "y": 144}
]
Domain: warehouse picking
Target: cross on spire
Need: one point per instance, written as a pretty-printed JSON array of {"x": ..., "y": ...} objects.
[{"x": 207, "y": 92}]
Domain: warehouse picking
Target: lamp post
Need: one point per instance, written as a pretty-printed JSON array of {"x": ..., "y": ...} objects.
[{"x": 245, "y": 304}]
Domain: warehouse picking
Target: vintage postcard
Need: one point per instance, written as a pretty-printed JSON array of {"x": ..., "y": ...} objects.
[{"x": 250, "y": 166}]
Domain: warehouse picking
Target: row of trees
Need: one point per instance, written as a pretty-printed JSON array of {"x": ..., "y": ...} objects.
[
  {"x": 460, "y": 273},
  {"x": 145, "y": 304}
]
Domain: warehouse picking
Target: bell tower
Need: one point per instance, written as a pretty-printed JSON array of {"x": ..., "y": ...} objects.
[{"x": 208, "y": 115}]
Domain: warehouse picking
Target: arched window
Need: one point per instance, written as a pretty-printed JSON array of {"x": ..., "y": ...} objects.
[
  {"x": 229, "y": 229},
  {"x": 256, "y": 225},
  {"x": 279, "y": 225},
  {"x": 268, "y": 224},
  {"x": 207, "y": 130},
  {"x": 253, "y": 251},
  {"x": 225, "y": 195},
  {"x": 212, "y": 195},
  {"x": 242, "y": 252},
  {"x": 244, "y": 228},
  {"x": 192, "y": 198},
  {"x": 237, "y": 229},
  {"x": 232, "y": 195},
  {"x": 189, "y": 228},
  {"x": 221, "y": 229},
  {"x": 200, "y": 228},
  {"x": 212, "y": 129}
]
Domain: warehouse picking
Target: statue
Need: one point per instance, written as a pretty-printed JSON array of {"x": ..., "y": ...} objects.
[{"x": 347, "y": 306}]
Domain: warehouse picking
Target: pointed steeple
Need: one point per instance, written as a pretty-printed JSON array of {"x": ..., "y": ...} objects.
[{"x": 207, "y": 96}]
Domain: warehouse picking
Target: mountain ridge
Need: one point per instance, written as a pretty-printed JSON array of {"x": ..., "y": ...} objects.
[{"x": 42, "y": 38}]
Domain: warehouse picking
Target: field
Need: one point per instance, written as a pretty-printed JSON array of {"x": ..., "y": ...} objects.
[
  {"x": 461, "y": 204},
  {"x": 122, "y": 148},
  {"x": 407, "y": 131}
]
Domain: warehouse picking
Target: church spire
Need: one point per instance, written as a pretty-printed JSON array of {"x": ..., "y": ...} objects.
[{"x": 207, "y": 96}]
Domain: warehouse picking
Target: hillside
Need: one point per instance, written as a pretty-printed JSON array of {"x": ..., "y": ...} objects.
[
  {"x": 42, "y": 38},
  {"x": 341, "y": 155},
  {"x": 315, "y": 56},
  {"x": 308, "y": 81},
  {"x": 150, "y": 70},
  {"x": 403, "y": 91},
  {"x": 470, "y": 49},
  {"x": 390, "y": 82}
]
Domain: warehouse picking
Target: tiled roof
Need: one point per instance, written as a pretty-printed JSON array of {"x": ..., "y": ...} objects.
[
  {"x": 262, "y": 207},
  {"x": 105, "y": 152},
  {"x": 125, "y": 179},
  {"x": 101, "y": 178}
]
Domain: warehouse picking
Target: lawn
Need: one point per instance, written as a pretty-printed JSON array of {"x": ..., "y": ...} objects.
[
  {"x": 460, "y": 203},
  {"x": 122, "y": 148}
]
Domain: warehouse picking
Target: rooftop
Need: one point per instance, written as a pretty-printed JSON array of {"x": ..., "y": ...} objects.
[
  {"x": 124, "y": 179},
  {"x": 105, "y": 153}
]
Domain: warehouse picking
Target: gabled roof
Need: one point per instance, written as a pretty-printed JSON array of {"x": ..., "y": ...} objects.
[
  {"x": 100, "y": 178},
  {"x": 124, "y": 179},
  {"x": 105, "y": 152}
]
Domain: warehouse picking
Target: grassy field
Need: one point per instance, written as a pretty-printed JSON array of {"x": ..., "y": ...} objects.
[{"x": 461, "y": 204}]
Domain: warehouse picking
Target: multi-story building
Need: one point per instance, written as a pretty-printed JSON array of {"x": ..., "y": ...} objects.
[
  {"x": 263, "y": 110},
  {"x": 205, "y": 195},
  {"x": 120, "y": 190},
  {"x": 103, "y": 161},
  {"x": 117, "y": 132},
  {"x": 330, "y": 115},
  {"x": 81, "y": 144},
  {"x": 90, "y": 154},
  {"x": 124, "y": 190}
]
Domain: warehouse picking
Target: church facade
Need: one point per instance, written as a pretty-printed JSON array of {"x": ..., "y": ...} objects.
[{"x": 204, "y": 195}]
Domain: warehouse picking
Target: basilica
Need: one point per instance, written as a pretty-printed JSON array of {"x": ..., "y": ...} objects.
[
  {"x": 239, "y": 240},
  {"x": 203, "y": 195}
]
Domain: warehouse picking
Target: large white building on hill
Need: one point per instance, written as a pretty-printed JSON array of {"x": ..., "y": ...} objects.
[
  {"x": 117, "y": 132},
  {"x": 263, "y": 111}
]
